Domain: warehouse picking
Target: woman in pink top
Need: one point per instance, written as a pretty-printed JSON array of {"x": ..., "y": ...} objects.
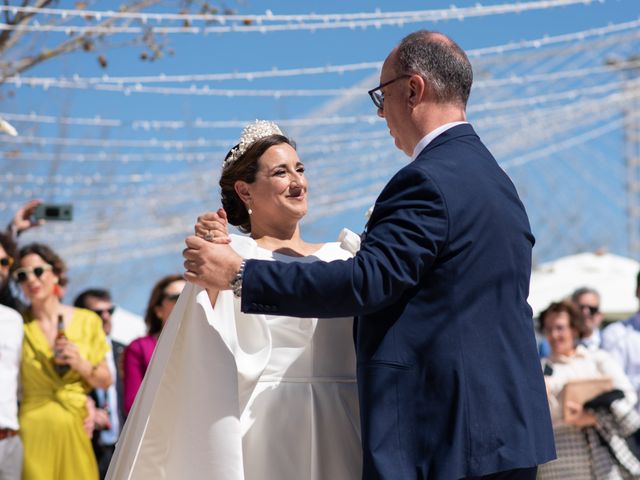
[{"x": 138, "y": 354}]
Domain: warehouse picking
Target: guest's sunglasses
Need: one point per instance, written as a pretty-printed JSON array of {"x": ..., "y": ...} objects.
[
  {"x": 592, "y": 310},
  {"x": 172, "y": 298},
  {"x": 6, "y": 261},
  {"x": 22, "y": 274},
  {"x": 109, "y": 310}
]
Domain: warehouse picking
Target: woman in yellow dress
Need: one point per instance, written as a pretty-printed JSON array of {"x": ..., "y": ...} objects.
[{"x": 57, "y": 372}]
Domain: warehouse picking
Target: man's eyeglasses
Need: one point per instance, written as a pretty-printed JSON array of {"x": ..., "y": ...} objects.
[
  {"x": 6, "y": 261},
  {"x": 592, "y": 310},
  {"x": 101, "y": 312},
  {"x": 376, "y": 94},
  {"x": 172, "y": 298},
  {"x": 22, "y": 274}
]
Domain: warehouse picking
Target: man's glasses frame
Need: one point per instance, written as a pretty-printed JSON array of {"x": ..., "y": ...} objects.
[
  {"x": 21, "y": 275},
  {"x": 376, "y": 93},
  {"x": 6, "y": 261}
]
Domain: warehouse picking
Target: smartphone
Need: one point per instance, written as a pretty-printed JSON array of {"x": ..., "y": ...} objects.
[{"x": 62, "y": 212}]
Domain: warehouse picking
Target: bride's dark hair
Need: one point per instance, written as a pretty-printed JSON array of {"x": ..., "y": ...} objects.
[{"x": 244, "y": 168}]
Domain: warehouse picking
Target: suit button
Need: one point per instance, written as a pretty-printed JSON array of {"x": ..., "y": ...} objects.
[{"x": 254, "y": 306}]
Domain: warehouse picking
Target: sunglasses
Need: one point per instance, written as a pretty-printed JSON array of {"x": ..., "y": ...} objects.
[
  {"x": 172, "y": 298},
  {"x": 103, "y": 311},
  {"x": 376, "y": 93},
  {"x": 592, "y": 310},
  {"x": 22, "y": 274},
  {"x": 6, "y": 261}
]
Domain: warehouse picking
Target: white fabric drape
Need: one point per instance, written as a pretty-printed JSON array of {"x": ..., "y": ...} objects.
[{"x": 202, "y": 402}]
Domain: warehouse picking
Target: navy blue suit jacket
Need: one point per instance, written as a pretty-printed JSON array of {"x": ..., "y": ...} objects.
[{"x": 448, "y": 374}]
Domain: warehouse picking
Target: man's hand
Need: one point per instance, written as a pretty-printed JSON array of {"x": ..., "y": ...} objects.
[
  {"x": 22, "y": 219},
  {"x": 101, "y": 419},
  {"x": 211, "y": 266}
]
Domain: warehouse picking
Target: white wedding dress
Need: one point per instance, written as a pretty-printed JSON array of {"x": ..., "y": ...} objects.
[{"x": 233, "y": 396}]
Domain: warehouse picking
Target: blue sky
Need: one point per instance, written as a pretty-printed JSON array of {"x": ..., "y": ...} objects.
[{"x": 131, "y": 217}]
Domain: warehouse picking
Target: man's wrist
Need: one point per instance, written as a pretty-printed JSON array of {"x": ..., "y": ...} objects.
[{"x": 236, "y": 282}]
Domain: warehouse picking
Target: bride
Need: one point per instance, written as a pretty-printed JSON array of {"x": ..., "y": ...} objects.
[{"x": 245, "y": 397}]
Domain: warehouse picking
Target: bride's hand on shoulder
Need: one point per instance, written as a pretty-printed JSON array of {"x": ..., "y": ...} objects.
[{"x": 213, "y": 227}]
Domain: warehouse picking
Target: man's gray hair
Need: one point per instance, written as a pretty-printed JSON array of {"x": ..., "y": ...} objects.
[
  {"x": 440, "y": 61},
  {"x": 575, "y": 296}
]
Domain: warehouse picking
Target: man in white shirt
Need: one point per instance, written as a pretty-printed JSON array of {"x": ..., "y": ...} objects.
[
  {"x": 587, "y": 300},
  {"x": 622, "y": 341},
  {"x": 10, "y": 352}
]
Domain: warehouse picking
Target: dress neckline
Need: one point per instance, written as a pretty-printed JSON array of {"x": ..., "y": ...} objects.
[{"x": 273, "y": 252}]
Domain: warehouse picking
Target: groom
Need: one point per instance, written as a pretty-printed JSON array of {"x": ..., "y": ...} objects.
[{"x": 449, "y": 381}]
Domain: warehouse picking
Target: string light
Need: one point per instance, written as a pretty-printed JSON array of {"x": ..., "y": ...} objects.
[
  {"x": 256, "y": 23},
  {"x": 279, "y": 73},
  {"x": 563, "y": 145},
  {"x": 202, "y": 142}
]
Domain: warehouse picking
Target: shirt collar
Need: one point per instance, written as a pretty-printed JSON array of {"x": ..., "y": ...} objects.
[
  {"x": 581, "y": 351},
  {"x": 426, "y": 140}
]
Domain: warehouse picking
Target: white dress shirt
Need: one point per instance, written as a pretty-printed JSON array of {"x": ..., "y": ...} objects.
[
  {"x": 11, "y": 333},
  {"x": 109, "y": 397},
  {"x": 622, "y": 341}
]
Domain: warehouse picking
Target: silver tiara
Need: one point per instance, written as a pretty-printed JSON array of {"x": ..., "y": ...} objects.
[{"x": 251, "y": 133}]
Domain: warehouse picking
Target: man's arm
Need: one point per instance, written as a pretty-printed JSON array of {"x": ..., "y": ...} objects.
[{"x": 408, "y": 230}]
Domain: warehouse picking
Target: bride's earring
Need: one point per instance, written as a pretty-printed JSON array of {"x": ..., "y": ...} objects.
[{"x": 249, "y": 211}]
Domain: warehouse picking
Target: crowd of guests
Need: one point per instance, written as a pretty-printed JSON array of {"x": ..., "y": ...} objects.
[
  {"x": 597, "y": 437},
  {"x": 67, "y": 386}
]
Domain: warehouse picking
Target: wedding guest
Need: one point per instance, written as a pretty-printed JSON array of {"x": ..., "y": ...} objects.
[
  {"x": 9, "y": 295},
  {"x": 622, "y": 341},
  {"x": 581, "y": 452},
  {"x": 138, "y": 354},
  {"x": 22, "y": 221},
  {"x": 10, "y": 351},
  {"x": 109, "y": 416},
  {"x": 63, "y": 359},
  {"x": 587, "y": 300}
]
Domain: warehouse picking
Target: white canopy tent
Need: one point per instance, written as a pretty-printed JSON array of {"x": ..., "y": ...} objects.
[
  {"x": 127, "y": 326},
  {"x": 613, "y": 276}
]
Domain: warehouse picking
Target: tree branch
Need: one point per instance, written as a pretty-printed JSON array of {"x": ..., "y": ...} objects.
[
  {"x": 8, "y": 38},
  {"x": 68, "y": 45}
]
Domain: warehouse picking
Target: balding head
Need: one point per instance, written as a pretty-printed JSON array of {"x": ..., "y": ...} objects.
[{"x": 440, "y": 61}]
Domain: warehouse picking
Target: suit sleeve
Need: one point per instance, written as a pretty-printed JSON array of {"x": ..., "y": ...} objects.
[{"x": 407, "y": 230}]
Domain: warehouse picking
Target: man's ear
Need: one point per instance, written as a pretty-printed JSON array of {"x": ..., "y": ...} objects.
[
  {"x": 417, "y": 90},
  {"x": 243, "y": 190}
]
